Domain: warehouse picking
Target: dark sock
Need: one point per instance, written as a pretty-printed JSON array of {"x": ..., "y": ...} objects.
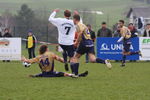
[
  {"x": 98, "y": 60},
  {"x": 134, "y": 53},
  {"x": 123, "y": 59},
  {"x": 74, "y": 68},
  {"x": 65, "y": 57}
]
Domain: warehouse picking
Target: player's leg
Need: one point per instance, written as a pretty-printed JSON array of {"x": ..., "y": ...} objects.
[
  {"x": 86, "y": 58},
  {"x": 74, "y": 62},
  {"x": 65, "y": 54},
  {"x": 93, "y": 59},
  {"x": 65, "y": 60},
  {"x": 126, "y": 51}
]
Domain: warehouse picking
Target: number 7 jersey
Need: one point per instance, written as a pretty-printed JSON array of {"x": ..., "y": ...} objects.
[{"x": 66, "y": 29}]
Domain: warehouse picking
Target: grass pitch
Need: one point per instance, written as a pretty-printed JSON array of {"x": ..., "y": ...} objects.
[{"x": 128, "y": 83}]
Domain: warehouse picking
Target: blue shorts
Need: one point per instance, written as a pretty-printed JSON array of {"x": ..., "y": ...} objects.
[
  {"x": 82, "y": 49},
  {"x": 126, "y": 45},
  {"x": 69, "y": 49},
  {"x": 50, "y": 74}
]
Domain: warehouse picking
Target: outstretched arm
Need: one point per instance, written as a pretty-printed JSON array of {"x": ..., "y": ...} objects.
[
  {"x": 34, "y": 60},
  {"x": 60, "y": 59}
]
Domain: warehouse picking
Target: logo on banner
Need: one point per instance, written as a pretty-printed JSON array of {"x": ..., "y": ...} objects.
[
  {"x": 4, "y": 42},
  {"x": 105, "y": 46},
  {"x": 146, "y": 41}
]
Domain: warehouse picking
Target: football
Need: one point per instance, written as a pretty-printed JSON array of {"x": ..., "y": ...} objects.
[{"x": 25, "y": 64}]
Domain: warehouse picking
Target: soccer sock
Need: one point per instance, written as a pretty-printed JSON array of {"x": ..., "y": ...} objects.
[
  {"x": 123, "y": 58},
  {"x": 134, "y": 53},
  {"x": 65, "y": 57},
  {"x": 74, "y": 68},
  {"x": 98, "y": 60}
]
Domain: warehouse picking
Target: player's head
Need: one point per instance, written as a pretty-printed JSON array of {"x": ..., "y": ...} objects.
[
  {"x": 43, "y": 49},
  {"x": 121, "y": 23},
  {"x": 76, "y": 19},
  {"x": 67, "y": 13}
]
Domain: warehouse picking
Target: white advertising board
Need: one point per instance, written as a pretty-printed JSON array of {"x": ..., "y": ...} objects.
[{"x": 10, "y": 48}]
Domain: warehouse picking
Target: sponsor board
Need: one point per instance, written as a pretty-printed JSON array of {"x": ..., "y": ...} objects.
[{"x": 10, "y": 48}]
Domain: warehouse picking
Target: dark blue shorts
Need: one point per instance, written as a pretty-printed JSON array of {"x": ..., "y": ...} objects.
[
  {"x": 126, "y": 47},
  {"x": 50, "y": 74},
  {"x": 82, "y": 49},
  {"x": 69, "y": 49}
]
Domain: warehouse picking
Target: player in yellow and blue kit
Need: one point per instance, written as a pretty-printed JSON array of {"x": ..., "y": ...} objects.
[
  {"x": 46, "y": 63},
  {"x": 125, "y": 37},
  {"x": 84, "y": 44}
]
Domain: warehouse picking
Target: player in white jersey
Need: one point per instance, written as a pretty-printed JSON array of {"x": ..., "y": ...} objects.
[{"x": 66, "y": 33}]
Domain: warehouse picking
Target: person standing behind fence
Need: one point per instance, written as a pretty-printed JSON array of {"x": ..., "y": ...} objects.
[
  {"x": 147, "y": 31},
  {"x": 30, "y": 44},
  {"x": 93, "y": 37},
  {"x": 6, "y": 35},
  {"x": 104, "y": 31}
]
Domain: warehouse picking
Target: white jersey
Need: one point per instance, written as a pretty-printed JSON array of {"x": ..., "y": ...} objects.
[{"x": 66, "y": 29}]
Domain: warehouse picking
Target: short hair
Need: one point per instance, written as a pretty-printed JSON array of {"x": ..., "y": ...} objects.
[
  {"x": 76, "y": 17},
  {"x": 88, "y": 25},
  {"x": 42, "y": 49},
  {"x": 6, "y": 29},
  {"x": 148, "y": 24},
  {"x": 122, "y": 21},
  {"x": 130, "y": 23},
  {"x": 103, "y": 23},
  {"x": 67, "y": 13}
]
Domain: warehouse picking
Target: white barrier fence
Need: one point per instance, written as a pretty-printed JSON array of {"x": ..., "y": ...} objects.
[{"x": 10, "y": 48}]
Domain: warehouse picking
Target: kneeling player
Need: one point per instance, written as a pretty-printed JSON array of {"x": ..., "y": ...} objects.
[
  {"x": 46, "y": 64},
  {"x": 84, "y": 45}
]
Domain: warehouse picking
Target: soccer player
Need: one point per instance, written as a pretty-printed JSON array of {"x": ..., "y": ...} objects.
[
  {"x": 125, "y": 37},
  {"x": 84, "y": 44},
  {"x": 66, "y": 31},
  {"x": 46, "y": 63}
]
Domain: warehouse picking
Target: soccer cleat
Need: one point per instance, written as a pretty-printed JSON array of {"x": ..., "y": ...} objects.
[
  {"x": 123, "y": 65},
  {"x": 83, "y": 74},
  {"x": 108, "y": 64},
  {"x": 140, "y": 53},
  {"x": 66, "y": 67},
  {"x": 74, "y": 76}
]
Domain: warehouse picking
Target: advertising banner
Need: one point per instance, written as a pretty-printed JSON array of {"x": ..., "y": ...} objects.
[
  {"x": 10, "y": 48},
  {"x": 108, "y": 48}
]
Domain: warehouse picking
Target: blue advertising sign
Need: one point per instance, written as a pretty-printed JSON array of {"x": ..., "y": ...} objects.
[{"x": 108, "y": 48}]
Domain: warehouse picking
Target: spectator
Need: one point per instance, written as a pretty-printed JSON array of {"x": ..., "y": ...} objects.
[
  {"x": 30, "y": 44},
  {"x": 117, "y": 32},
  {"x": 147, "y": 31},
  {"x": 93, "y": 37},
  {"x": 104, "y": 31},
  {"x": 7, "y": 35},
  {"x": 133, "y": 30}
]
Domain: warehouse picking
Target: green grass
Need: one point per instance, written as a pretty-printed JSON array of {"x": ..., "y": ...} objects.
[{"x": 128, "y": 83}]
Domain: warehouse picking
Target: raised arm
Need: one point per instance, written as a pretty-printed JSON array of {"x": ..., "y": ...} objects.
[{"x": 52, "y": 18}]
